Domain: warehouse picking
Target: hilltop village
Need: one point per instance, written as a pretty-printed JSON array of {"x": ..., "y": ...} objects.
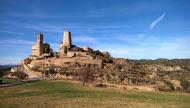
[
  {"x": 77, "y": 63},
  {"x": 43, "y": 55}
]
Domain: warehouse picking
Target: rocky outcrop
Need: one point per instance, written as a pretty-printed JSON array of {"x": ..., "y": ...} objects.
[{"x": 73, "y": 62}]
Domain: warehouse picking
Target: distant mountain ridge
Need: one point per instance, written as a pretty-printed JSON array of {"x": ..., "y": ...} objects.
[{"x": 9, "y": 65}]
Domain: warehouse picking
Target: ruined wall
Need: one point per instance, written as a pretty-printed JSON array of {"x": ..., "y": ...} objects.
[
  {"x": 76, "y": 54},
  {"x": 62, "y": 62},
  {"x": 63, "y": 50}
]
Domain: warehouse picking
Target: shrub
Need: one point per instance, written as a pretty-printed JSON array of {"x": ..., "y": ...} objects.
[
  {"x": 185, "y": 85},
  {"x": 170, "y": 85},
  {"x": 3, "y": 71},
  {"x": 164, "y": 86},
  {"x": 115, "y": 79},
  {"x": 87, "y": 75},
  {"x": 20, "y": 75},
  {"x": 52, "y": 70}
]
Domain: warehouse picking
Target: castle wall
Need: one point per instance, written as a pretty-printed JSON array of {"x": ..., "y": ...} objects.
[
  {"x": 77, "y": 54},
  {"x": 35, "y": 51},
  {"x": 63, "y": 49},
  {"x": 62, "y": 62}
]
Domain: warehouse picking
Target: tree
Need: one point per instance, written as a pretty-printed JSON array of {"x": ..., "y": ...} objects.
[
  {"x": 3, "y": 71},
  {"x": 87, "y": 75},
  {"x": 50, "y": 71}
]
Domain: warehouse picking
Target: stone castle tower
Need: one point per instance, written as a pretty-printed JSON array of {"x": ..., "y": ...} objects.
[
  {"x": 40, "y": 44},
  {"x": 40, "y": 48},
  {"x": 37, "y": 49},
  {"x": 66, "y": 45},
  {"x": 67, "y": 39}
]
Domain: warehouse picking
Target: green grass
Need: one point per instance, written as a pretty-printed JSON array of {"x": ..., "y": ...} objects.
[
  {"x": 66, "y": 94},
  {"x": 9, "y": 81}
]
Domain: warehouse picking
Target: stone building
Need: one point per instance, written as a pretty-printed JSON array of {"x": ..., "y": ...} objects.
[
  {"x": 88, "y": 49},
  {"x": 66, "y": 45},
  {"x": 41, "y": 48},
  {"x": 43, "y": 56}
]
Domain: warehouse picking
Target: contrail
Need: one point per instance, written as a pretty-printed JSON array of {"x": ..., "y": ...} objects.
[{"x": 155, "y": 22}]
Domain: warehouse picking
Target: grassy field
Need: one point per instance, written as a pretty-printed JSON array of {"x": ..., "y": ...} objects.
[
  {"x": 9, "y": 81},
  {"x": 68, "y": 94}
]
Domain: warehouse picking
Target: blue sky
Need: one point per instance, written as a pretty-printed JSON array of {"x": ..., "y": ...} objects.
[{"x": 134, "y": 29}]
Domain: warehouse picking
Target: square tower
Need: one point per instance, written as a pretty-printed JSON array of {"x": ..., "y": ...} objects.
[{"x": 38, "y": 49}]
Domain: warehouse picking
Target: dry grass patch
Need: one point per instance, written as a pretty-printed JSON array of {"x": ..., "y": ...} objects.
[{"x": 66, "y": 94}]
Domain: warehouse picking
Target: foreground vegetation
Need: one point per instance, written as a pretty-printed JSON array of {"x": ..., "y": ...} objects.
[{"x": 69, "y": 94}]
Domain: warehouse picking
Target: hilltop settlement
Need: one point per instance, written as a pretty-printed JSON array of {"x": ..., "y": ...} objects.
[{"x": 88, "y": 65}]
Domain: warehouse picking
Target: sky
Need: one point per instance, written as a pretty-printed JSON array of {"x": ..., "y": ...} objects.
[{"x": 133, "y": 29}]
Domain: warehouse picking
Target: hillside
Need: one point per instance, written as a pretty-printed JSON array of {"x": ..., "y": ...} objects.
[
  {"x": 69, "y": 94},
  {"x": 163, "y": 74}
]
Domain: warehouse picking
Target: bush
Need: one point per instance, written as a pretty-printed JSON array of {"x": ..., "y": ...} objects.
[
  {"x": 52, "y": 70},
  {"x": 164, "y": 86},
  {"x": 20, "y": 75},
  {"x": 185, "y": 85},
  {"x": 4, "y": 71},
  {"x": 98, "y": 53},
  {"x": 170, "y": 85},
  {"x": 115, "y": 79}
]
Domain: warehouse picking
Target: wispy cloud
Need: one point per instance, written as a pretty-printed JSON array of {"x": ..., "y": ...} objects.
[
  {"x": 76, "y": 28},
  {"x": 150, "y": 48},
  {"x": 11, "y": 32},
  {"x": 46, "y": 28},
  {"x": 155, "y": 22},
  {"x": 16, "y": 43}
]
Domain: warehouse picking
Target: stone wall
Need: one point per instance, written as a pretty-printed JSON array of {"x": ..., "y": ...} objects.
[
  {"x": 76, "y": 54},
  {"x": 62, "y": 62}
]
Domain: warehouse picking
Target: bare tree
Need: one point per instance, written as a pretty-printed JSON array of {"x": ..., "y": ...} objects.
[{"x": 87, "y": 75}]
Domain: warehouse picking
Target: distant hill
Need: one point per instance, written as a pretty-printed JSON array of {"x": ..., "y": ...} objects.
[
  {"x": 169, "y": 62},
  {"x": 9, "y": 65}
]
